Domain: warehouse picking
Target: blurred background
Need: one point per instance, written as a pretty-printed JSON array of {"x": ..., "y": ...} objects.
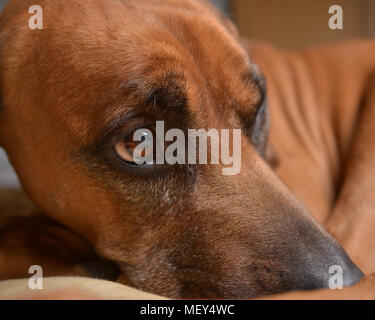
[
  {"x": 285, "y": 23},
  {"x": 298, "y": 23}
]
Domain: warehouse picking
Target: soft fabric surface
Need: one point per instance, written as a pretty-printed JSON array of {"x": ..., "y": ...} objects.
[{"x": 71, "y": 288}]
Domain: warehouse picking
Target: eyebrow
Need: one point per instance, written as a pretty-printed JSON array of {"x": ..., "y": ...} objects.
[{"x": 166, "y": 96}]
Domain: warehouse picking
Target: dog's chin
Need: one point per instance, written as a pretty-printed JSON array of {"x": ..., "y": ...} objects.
[
  {"x": 194, "y": 283},
  {"x": 194, "y": 286},
  {"x": 188, "y": 283}
]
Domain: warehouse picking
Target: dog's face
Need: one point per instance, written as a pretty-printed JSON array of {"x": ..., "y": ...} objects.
[{"x": 73, "y": 94}]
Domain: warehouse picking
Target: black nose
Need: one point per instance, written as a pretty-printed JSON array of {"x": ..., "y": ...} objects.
[
  {"x": 325, "y": 264},
  {"x": 352, "y": 275},
  {"x": 333, "y": 271}
]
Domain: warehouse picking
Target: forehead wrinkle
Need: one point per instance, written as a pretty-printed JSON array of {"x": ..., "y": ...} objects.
[{"x": 143, "y": 92}]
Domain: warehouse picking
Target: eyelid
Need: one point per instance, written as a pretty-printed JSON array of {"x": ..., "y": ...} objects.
[
  {"x": 133, "y": 116},
  {"x": 128, "y": 128}
]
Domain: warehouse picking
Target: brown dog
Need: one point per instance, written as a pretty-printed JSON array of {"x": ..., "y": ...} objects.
[{"x": 73, "y": 92}]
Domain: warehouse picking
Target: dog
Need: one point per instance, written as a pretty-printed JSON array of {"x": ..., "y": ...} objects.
[{"x": 74, "y": 92}]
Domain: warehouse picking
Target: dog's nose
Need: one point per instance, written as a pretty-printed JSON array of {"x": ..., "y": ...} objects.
[
  {"x": 326, "y": 264},
  {"x": 352, "y": 275},
  {"x": 334, "y": 271}
]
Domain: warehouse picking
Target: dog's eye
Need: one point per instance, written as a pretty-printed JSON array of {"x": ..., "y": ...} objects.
[{"x": 137, "y": 147}]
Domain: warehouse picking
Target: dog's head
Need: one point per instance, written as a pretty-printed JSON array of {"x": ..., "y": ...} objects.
[{"x": 73, "y": 95}]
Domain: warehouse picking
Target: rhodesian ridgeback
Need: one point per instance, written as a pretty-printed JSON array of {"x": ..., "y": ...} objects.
[{"x": 73, "y": 94}]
